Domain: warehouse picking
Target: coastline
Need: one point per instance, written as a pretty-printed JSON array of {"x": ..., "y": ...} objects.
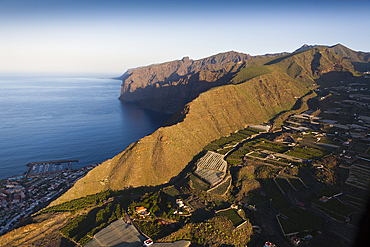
[{"x": 21, "y": 196}]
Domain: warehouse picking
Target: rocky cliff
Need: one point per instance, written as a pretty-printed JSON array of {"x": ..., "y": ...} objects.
[
  {"x": 169, "y": 86},
  {"x": 255, "y": 92}
]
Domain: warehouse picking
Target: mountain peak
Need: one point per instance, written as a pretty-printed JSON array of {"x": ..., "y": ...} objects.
[{"x": 306, "y": 47}]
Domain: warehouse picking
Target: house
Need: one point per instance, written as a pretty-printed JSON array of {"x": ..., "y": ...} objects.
[
  {"x": 295, "y": 240},
  {"x": 269, "y": 244},
  {"x": 271, "y": 156},
  {"x": 179, "y": 203},
  {"x": 324, "y": 199},
  {"x": 318, "y": 166},
  {"x": 141, "y": 210},
  {"x": 148, "y": 242}
]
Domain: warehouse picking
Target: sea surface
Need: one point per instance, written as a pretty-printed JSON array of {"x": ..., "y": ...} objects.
[{"x": 52, "y": 118}]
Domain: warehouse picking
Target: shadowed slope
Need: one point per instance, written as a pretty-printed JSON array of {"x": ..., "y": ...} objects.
[{"x": 167, "y": 87}]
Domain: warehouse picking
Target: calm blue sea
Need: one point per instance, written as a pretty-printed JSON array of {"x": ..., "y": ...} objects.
[{"x": 51, "y": 118}]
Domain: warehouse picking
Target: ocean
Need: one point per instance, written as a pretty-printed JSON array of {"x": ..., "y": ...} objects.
[{"x": 53, "y": 118}]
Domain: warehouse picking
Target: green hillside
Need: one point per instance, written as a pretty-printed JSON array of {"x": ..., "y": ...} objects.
[
  {"x": 360, "y": 60},
  {"x": 254, "y": 95}
]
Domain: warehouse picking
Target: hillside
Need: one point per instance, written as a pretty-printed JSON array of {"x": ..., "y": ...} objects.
[
  {"x": 255, "y": 93},
  {"x": 360, "y": 60}
]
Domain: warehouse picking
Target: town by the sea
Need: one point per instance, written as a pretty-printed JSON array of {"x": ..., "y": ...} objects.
[
  {"x": 54, "y": 130},
  {"x": 54, "y": 118}
]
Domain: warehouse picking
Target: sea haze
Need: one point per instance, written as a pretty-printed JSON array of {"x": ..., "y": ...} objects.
[{"x": 55, "y": 118}]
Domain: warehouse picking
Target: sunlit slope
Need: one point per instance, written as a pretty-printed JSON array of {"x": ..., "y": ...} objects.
[{"x": 252, "y": 98}]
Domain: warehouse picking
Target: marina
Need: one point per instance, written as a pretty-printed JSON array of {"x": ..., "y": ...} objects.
[{"x": 23, "y": 195}]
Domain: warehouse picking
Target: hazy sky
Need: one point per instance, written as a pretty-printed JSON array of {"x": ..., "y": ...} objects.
[{"x": 109, "y": 37}]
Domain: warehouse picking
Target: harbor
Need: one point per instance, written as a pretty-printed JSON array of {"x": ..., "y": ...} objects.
[{"x": 23, "y": 195}]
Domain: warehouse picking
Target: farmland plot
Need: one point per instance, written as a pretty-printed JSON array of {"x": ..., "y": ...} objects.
[
  {"x": 286, "y": 226},
  {"x": 211, "y": 167},
  {"x": 283, "y": 184},
  {"x": 359, "y": 176}
]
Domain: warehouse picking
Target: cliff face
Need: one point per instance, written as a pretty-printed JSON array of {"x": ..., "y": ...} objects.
[
  {"x": 169, "y": 86},
  {"x": 256, "y": 92}
]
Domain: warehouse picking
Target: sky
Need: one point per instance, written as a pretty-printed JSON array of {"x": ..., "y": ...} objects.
[{"x": 108, "y": 37}]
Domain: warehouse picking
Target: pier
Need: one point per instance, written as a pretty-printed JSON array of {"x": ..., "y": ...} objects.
[{"x": 47, "y": 167}]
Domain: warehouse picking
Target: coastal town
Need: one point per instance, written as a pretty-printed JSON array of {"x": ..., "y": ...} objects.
[
  {"x": 23, "y": 195},
  {"x": 301, "y": 179}
]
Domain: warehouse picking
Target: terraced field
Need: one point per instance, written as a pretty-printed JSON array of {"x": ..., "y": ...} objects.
[
  {"x": 211, "y": 167},
  {"x": 359, "y": 176},
  {"x": 213, "y": 161}
]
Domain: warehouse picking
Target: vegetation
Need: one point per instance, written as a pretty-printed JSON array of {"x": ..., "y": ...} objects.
[
  {"x": 198, "y": 183},
  {"x": 172, "y": 191},
  {"x": 288, "y": 227},
  {"x": 222, "y": 188},
  {"x": 249, "y": 73},
  {"x": 232, "y": 215},
  {"x": 83, "y": 227},
  {"x": 154, "y": 229},
  {"x": 278, "y": 148},
  {"x": 359, "y": 147},
  {"x": 283, "y": 184},
  {"x": 277, "y": 199},
  {"x": 335, "y": 206},
  {"x": 216, "y": 231},
  {"x": 303, "y": 218},
  {"x": 328, "y": 191},
  {"x": 153, "y": 201},
  {"x": 77, "y": 204},
  {"x": 297, "y": 184},
  {"x": 254, "y": 198},
  {"x": 266, "y": 171}
]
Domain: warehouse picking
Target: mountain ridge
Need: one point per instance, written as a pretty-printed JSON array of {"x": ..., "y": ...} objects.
[
  {"x": 257, "y": 92},
  {"x": 167, "y": 87},
  {"x": 152, "y": 86}
]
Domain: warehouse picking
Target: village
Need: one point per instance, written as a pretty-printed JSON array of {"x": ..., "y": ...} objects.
[
  {"x": 321, "y": 161},
  {"x": 305, "y": 183},
  {"x": 23, "y": 195}
]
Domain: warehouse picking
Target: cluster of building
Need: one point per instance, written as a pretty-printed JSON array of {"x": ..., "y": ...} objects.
[
  {"x": 183, "y": 209},
  {"x": 21, "y": 196}
]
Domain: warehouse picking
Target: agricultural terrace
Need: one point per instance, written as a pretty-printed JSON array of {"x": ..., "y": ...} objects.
[
  {"x": 213, "y": 161},
  {"x": 278, "y": 201},
  {"x": 360, "y": 147},
  {"x": 307, "y": 152},
  {"x": 222, "y": 187},
  {"x": 296, "y": 183},
  {"x": 287, "y": 227},
  {"x": 335, "y": 208},
  {"x": 305, "y": 219},
  {"x": 232, "y": 215},
  {"x": 211, "y": 167},
  {"x": 359, "y": 176},
  {"x": 227, "y": 143},
  {"x": 328, "y": 191},
  {"x": 283, "y": 184}
]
